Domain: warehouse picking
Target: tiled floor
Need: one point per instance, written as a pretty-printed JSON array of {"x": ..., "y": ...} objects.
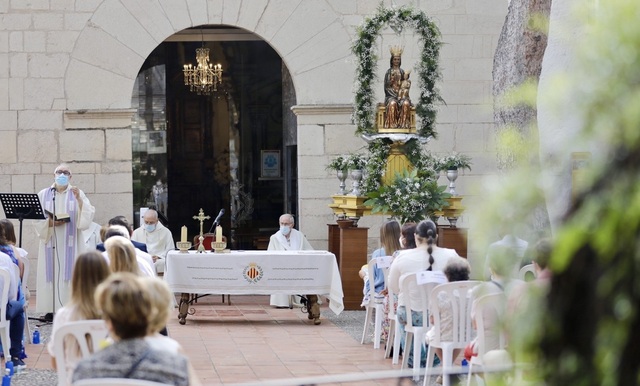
[{"x": 249, "y": 341}]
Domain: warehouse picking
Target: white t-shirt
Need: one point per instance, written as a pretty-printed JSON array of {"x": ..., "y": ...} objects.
[{"x": 414, "y": 260}]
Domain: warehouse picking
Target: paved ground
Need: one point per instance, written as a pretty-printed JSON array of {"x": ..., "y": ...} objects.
[{"x": 251, "y": 342}]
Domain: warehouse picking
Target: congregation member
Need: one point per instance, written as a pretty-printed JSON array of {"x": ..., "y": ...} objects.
[
  {"x": 290, "y": 239},
  {"x": 143, "y": 259},
  {"x": 10, "y": 235},
  {"x": 518, "y": 246},
  {"x": 408, "y": 235},
  {"x": 91, "y": 236},
  {"x": 157, "y": 238},
  {"x": 125, "y": 304},
  {"x": 6, "y": 246},
  {"x": 500, "y": 259},
  {"x": 161, "y": 305},
  {"x": 122, "y": 220},
  {"x": 121, "y": 255},
  {"x": 390, "y": 239},
  {"x": 15, "y": 310},
  {"x": 60, "y": 237},
  {"x": 89, "y": 271},
  {"x": 427, "y": 256},
  {"x": 457, "y": 269}
]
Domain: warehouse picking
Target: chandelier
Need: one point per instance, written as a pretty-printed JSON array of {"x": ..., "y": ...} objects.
[{"x": 205, "y": 77}]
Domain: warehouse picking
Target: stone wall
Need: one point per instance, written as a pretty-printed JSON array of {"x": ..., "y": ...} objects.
[{"x": 61, "y": 59}]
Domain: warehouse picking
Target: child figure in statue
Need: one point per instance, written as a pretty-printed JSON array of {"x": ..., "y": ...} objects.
[{"x": 404, "y": 101}]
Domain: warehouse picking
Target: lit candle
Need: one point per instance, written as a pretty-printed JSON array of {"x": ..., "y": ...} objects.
[
  {"x": 183, "y": 237},
  {"x": 218, "y": 234}
]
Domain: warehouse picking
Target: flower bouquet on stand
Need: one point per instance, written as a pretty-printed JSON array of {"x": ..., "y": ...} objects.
[
  {"x": 412, "y": 196},
  {"x": 339, "y": 165},
  {"x": 450, "y": 165}
]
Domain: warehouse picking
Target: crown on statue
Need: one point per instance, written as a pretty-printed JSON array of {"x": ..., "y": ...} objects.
[{"x": 396, "y": 50}]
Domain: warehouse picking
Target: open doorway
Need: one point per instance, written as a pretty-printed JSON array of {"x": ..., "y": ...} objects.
[{"x": 219, "y": 151}]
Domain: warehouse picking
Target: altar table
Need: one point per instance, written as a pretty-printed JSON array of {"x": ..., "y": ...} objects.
[{"x": 254, "y": 273}]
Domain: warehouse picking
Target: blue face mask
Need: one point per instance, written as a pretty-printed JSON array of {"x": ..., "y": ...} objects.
[
  {"x": 285, "y": 230},
  {"x": 62, "y": 180},
  {"x": 150, "y": 227}
]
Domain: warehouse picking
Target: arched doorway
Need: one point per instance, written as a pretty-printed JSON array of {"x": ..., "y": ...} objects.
[{"x": 230, "y": 150}]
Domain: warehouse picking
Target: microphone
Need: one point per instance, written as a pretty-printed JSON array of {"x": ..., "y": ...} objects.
[{"x": 217, "y": 220}]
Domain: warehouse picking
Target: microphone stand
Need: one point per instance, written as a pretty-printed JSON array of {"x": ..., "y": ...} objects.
[{"x": 54, "y": 256}]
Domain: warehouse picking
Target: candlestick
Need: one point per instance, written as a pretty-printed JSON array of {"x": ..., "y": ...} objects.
[
  {"x": 183, "y": 235},
  {"x": 218, "y": 234}
]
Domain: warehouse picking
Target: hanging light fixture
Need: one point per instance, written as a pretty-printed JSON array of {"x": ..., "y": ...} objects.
[{"x": 204, "y": 77}]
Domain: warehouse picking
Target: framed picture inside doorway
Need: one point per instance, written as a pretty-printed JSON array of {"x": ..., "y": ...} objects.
[{"x": 270, "y": 163}]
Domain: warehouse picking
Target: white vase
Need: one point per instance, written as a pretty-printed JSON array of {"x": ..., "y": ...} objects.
[
  {"x": 356, "y": 176},
  {"x": 452, "y": 175},
  {"x": 342, "y": 176}
]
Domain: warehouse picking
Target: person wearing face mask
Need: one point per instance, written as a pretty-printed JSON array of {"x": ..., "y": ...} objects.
[
  {"x": 69, "y": 213},
  {"x": 289, "y": 239},
  {"x": 156, "y": 236}
]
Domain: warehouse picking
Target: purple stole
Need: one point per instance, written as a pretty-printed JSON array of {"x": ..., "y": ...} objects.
[{"x": 70, "y": 235}]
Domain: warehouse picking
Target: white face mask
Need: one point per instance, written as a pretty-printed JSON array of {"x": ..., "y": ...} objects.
[
  {"x": 150, "y": 227},
  {"x": 401, "y": 240},
  {"x": 285, "y": 230}
]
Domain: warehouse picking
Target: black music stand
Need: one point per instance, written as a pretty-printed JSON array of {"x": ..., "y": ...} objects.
[{"x": 22, "y": 206}]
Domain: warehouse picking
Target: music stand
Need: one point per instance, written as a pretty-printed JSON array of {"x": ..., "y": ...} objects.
[{"x": 22, "y": 206}]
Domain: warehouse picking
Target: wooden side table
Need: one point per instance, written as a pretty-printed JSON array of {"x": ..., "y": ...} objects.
[
  {"x": 455, "y": 238},
  {"x": 350, "y": 247}
]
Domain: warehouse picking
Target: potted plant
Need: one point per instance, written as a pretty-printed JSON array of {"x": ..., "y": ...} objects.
[
  {"x": 339, "y": 164},
  {"x": 413, "y": 196},
  {"x": 356, "y": 162},
  {"x": 454, "y": 161},
  {"x": 450, "y": 164}
]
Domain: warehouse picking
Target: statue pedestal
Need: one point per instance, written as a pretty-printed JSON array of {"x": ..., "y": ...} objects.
[{"x": 350, "y": 247}]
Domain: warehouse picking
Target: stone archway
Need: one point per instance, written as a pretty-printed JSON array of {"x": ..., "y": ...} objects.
[{"x": 115, "y": 42}]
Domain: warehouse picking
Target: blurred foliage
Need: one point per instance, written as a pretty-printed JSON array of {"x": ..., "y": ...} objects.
[{"x": 586, "y": 329}]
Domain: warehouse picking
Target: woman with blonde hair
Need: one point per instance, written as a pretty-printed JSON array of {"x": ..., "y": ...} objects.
[
  {"x": 89, "y": 270},
  {"x": 122, "y": 255},
  {"x": 126, "y": 305},
  {"x": 161, "y": 306}
]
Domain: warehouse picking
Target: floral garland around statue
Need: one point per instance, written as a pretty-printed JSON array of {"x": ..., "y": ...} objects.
[{"x": 427, "y": 68}]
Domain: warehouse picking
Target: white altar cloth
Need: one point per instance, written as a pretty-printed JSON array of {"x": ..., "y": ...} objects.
[{"x": 256, "y": 273}]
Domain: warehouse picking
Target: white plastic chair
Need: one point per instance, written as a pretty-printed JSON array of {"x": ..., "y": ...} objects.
[
  {"x": 83, "y": 332},
  {"x": 459, "y": 296},
  {"x": 116, "y": 382},
  {"x": 394, "y": 329},
  {"x": 414, "y": 335},
  {"x": 489, "y": 313},
  {"x": 5, "y": 277},
  {"x": 526, "y": 269},
  {"x": 373, "y": 305},
  {"x": 24, "y": 289}
]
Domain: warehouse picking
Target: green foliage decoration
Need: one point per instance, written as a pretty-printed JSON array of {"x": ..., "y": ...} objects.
[{"x": 427, "y": 68}]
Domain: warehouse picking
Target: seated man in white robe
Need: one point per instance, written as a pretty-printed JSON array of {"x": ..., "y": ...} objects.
[
  {"x": 156, "y": 236},
  {"x": 289, "y": 239}
]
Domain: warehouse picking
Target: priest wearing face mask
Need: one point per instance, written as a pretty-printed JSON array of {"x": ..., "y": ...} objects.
[
  {"x": 156, "y": 236},
  {"x": 68, "y": 213},
  {"x": 289, "y": 239}
]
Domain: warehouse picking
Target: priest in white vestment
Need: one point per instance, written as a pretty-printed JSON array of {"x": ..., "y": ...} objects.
[
  {"x": 61, "y": 239},
  {"x": 156, "y": 236},
  {"x": 289, "y": 239}
]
